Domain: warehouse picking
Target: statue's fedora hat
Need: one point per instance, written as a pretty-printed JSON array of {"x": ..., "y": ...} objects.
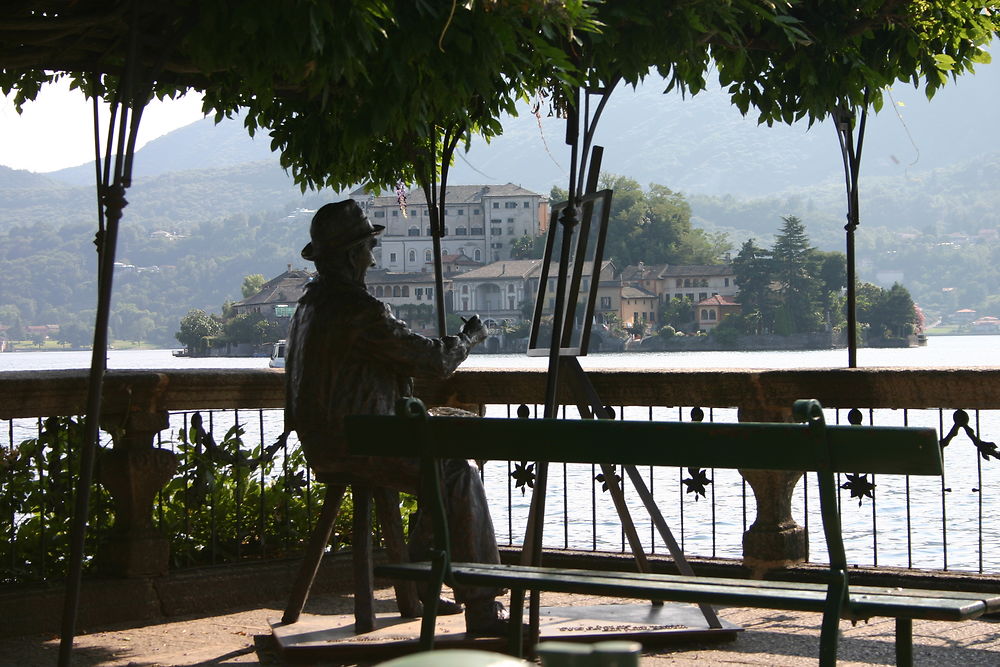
[{"x": 336, "y": 226}]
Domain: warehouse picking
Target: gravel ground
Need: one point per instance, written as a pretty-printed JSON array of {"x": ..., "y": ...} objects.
[{"x": 774, "y": 638}]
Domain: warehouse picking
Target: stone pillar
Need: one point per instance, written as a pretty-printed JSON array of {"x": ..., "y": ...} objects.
[
  {"x": 134, "y": 471},
  {"x": 774, "y": 540}
]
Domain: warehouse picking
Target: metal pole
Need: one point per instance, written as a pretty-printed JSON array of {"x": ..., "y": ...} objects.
[{"x": 851, "y": 156}]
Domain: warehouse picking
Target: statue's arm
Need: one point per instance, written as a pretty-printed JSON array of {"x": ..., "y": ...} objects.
[{"x": 391, "y": 341}]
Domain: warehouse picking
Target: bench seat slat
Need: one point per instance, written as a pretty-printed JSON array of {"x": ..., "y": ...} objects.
[
  {"x": 763, "y": 446},
  {"x": 864, "y": 602}
]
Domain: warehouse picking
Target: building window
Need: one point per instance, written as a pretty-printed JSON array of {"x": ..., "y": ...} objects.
[
  {"x": 379, "y": 214},
  {"x": 527, "y": 204},
  {"x": 510, "y": 288},
  {"x": 510, "y": 221},
  {"x": 413, "y": 255},
  {"x": 727, "y": 282},
  {"x": 378, "y": 290},
  {"x": 413, "y": 231},
  {"x": 465, "y": 289},
  {"x": 430, "y": 293},
  {"x": 475, "y": 211},
  {"x": 396, "y": 291},
  {"x": 496, "y": 221},
  {"x": 392, "y": 258},
  {"x": 702, "y": 296},
  {"x": 427, "y": 255},
  {"x": 704, "y": 314},
  {"x": 461, "y": 231},
  {"x": 418, "y": 292},
  {"x": 496, "y": 231},
  {"x": 479, "y": 255},
  {"x": 687, "y": 282},
  {"x": 476, "y": 231},
  {"x": 496, "y": 204},
  {"x": 496, "y": 245},
  {"x": 510, "y": 204},
  {"x": 711, "y": 314},
  {"x": 395, "y": 214},
  {"x": 406, "y": 290},
  {"x": 680, "y": 283},
  {"x": 605, "y": 302},
  {"x": 461, "y": 211},
  {"x": 510, "y": 231}
]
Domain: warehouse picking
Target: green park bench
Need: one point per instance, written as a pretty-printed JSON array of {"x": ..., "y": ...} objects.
[{"x": 809, "y": 445}]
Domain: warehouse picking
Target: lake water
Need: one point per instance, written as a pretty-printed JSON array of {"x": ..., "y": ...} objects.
[
  {"x": 959, "y": 351},
  {"x": 912, "y": 520}
]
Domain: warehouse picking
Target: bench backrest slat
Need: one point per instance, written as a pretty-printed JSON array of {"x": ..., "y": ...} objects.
[{"x": 765, "y": 446}]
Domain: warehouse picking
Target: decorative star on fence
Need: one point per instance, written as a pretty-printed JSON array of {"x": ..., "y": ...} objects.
[
  {"x": 859, "y": 486},
  {"x": 697, "y": 482},
  {"x": 611, "y": 478},
  {"x": 524, "y": 476}
]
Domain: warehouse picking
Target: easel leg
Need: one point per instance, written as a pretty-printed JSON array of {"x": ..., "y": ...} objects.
[
  {"x": 668, "y": 538},
  {"x": 531, "y": 553}
]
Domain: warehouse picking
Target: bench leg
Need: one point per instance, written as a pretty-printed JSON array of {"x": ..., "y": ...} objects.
[
  {"x": 829, "y": 636},
  {"x": 515, "y": 643},
  {"x": 904, "y": 641},
  {"x": 361, "y": 555},
  {"x": 314, "y": 553},
  {"x": 387, "y": 511}
]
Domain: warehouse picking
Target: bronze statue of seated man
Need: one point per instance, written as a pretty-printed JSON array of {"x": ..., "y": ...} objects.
[{"x": 347, "y": 354}]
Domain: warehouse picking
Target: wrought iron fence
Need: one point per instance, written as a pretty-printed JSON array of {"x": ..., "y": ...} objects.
[
  {"x": 894, "y": 520},
  {"x": 241, "y": 491}
]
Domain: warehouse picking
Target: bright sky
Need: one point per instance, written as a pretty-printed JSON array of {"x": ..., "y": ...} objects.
[{"x": 56, "y": 130}]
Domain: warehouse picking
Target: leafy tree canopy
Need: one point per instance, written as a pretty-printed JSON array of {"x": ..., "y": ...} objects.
[
  {"x": 252, "y": 284},
  {"x": 365, "y": 91}
]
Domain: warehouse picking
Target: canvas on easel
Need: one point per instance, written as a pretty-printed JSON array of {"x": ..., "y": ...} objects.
[{"x": 583, "y": 278}]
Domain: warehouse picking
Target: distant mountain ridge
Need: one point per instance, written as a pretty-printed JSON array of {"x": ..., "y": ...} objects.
[{"x": 701, "y": 146}]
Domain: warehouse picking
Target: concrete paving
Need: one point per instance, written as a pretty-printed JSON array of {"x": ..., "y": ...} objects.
[{"x": 773, "y": 638}]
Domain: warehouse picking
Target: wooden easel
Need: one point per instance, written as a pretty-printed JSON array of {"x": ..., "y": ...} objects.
[{"x": 563, "y": 361}]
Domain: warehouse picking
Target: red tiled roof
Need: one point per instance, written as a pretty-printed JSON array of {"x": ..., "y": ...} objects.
[{"x": 718, "y": 300}]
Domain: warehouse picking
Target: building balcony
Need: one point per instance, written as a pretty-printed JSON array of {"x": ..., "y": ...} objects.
[{"x": 201, "y": 505}]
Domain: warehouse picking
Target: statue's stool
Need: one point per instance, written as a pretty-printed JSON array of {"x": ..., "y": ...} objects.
[{"x": 387, "y": 513}]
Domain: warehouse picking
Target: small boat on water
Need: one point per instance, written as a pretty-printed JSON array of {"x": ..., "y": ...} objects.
[{"x": 277, "y": 355}]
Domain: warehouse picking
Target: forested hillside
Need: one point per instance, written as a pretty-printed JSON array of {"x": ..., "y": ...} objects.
[{"x": 49, "y": 271}]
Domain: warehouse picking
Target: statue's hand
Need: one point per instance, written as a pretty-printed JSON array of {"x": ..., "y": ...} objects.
[{"x": 474, "y": 330}]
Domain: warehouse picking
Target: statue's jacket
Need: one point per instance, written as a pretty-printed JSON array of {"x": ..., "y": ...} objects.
[{"x": 347, "y": 354}]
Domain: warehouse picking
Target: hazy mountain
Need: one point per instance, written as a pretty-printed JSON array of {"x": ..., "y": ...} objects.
[
  {"x": 701, "y": 146},
  {"x": 200, "y": 145}
]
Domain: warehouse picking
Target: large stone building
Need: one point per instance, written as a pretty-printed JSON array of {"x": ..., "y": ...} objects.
[
  {"x": 496, "y": 292},
  {"x": 481, "y": 222},
  {"x": 694, "y": 283}
]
